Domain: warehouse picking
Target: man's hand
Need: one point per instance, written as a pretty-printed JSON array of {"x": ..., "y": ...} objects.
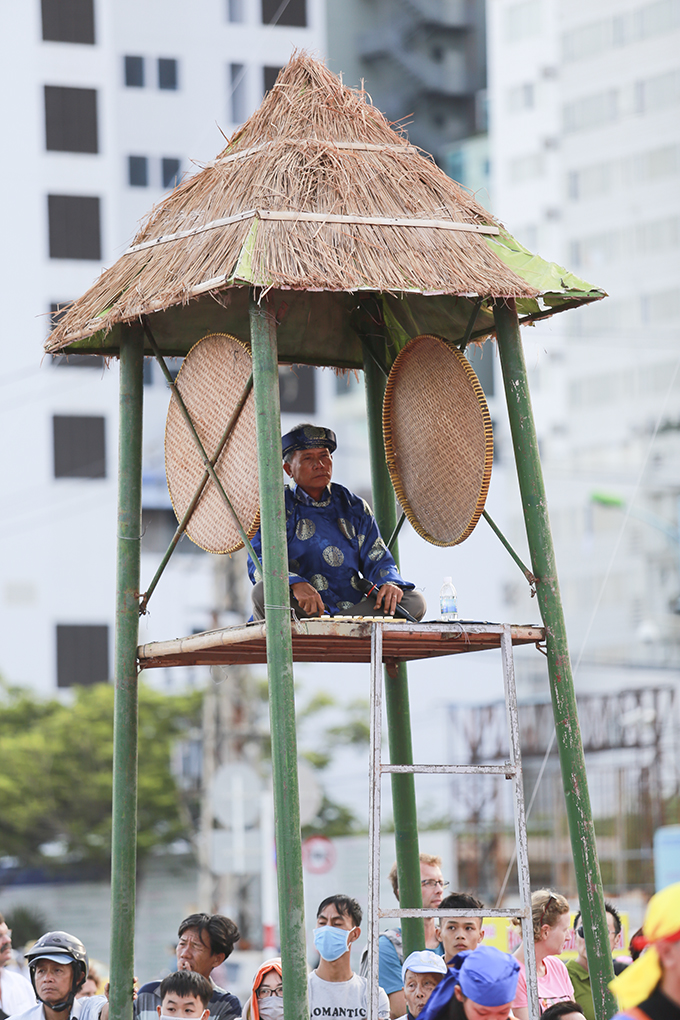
[
  {"x": 308, "y": 598},
  {"x": 389, "y": 597}
]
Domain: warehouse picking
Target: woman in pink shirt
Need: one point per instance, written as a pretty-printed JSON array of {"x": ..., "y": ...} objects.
[{"x": 550, "y": 913}]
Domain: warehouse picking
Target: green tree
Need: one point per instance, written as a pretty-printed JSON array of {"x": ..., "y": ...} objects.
[{"x": 56, "y": 773}]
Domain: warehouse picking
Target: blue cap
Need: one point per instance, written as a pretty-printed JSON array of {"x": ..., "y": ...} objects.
[
  {"x": 486, "y": 975},
  {"x": 424, "y": 961},
  {"x": 308, "y": 437}
]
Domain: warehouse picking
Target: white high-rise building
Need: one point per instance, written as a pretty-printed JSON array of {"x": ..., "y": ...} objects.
[
  {"x": 107, "y": 104},
  {"x": 585, "y": 152}
]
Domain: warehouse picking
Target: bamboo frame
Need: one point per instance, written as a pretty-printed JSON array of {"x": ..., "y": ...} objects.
[{"x": 570, "y": 745}]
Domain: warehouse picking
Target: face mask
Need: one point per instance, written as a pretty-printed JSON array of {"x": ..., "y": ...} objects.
[
  {"x": 331, "y": 942},
  {"x": 271, "y": 1008},
  {"x": 164, "y": 1016}
]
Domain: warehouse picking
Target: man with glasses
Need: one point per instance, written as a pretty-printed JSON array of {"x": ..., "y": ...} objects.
[
  {"x": 205, "y": 941},
  {"x": 391, "y": 953},
  {"x": 16, "y": 994}
]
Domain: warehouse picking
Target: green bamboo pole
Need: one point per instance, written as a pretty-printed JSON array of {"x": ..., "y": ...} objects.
[
  {"x": 570, "y": 745},
  {"x": 396, "y": 687},
  {"x": 124, "y": 833},
  {"x": 279, "y": 661}
]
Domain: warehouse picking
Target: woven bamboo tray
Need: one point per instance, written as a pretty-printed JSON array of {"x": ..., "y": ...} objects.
[
  {"x": 211, "y": 381},
  {"x": 438, "y": 439}
]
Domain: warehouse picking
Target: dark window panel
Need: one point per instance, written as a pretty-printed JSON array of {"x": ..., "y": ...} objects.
[
  {"x": 138, "y": 171},
  {"x": 134, "y": 72},
  {"x": 237, "y": 93},
  {"x": 57, "y": 310},
  {"x": 74, "y": 227},
  {"x": 82, "y": 654},
  {"x": 297, "y": 390},
  {"x": 481, "y": 359},
  {"x": 170, "y": 171},
  {"x": 270, "y": 76},
  {"x": 70, "y": 119},
  {"x": 167, "y": 73},
  {"x": 79, "y": 446},
  {"x": 158, "y": 527},
  {"x": 78, "y": 360},
  {"x": 284, "y": 12},
  {"x": 70, "y": 21}
]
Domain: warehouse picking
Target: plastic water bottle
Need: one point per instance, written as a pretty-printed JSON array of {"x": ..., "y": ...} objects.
[{"x": 448, "y": 601}]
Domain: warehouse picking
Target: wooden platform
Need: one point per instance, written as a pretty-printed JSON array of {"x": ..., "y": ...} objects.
[{"x": 344, "y": 639}]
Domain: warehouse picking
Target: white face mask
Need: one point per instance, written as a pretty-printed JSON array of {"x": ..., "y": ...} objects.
[
  {"x": 271, "y": 1008},
  {"x": 201, "y": 1016}
]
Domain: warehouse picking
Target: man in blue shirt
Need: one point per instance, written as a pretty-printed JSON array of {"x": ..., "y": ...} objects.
[{"x": 333, "y": 540}]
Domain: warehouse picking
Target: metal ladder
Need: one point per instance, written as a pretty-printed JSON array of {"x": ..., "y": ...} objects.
[{"x": 511, "y": 769}]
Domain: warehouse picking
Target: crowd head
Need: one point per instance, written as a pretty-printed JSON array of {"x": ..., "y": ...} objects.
[
  {"x": 185, "y": 994},
  {"x": 58, "y": 966},
  {"x": 205, "y": 941}
]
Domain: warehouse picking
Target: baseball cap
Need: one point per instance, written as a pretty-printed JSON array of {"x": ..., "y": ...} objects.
[{"x": 424, "y": 961}]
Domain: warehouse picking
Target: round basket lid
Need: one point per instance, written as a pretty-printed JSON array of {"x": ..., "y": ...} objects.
[
  {"x": 438, "y": 439},
  {"x": 211, "y": 381}
]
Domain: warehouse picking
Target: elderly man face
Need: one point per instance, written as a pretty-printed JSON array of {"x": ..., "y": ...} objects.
[
  {"x": 312, "y": 470},
  {"x": 418, "y": 988}
]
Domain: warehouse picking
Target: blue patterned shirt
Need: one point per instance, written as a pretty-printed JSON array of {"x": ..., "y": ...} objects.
[{"x": 330, "y": 544}]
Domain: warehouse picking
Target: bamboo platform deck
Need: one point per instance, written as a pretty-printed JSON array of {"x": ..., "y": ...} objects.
[{"x": 344, "y": 639}]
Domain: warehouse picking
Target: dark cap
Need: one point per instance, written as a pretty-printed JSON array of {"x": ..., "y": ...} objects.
[{"x": 308, "y": 437}]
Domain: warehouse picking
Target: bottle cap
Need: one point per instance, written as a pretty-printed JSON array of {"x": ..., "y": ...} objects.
[{"x": 448, "y": 580}]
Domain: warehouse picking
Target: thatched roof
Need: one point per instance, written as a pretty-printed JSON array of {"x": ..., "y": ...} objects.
[
  {"x": 292, "y": 203},
  {"x": 317, "y": 199}
]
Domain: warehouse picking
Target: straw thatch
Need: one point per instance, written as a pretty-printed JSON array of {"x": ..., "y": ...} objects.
[{"x": 313, "y": 147}]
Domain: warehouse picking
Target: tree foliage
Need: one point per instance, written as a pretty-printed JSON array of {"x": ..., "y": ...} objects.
[{"x": 56, "y": 773}]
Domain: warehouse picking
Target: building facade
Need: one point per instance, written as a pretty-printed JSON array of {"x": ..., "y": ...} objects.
[
  {"x": 109, "y": 105},
  {"x": 585, "y": 156}
]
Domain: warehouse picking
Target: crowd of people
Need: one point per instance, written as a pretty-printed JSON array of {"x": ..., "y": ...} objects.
[{"x": 456, "y": 977}]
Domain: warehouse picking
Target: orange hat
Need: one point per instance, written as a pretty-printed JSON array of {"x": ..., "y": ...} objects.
[{"x": 268, "y": 965}]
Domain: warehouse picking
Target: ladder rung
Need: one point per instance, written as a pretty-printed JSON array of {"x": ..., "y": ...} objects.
[
  {"x": 465, "y": 912},
  {"x": 506, "y": 770}
]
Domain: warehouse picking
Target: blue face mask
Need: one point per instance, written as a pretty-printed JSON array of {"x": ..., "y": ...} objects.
[{"x": 331, "y": 942}]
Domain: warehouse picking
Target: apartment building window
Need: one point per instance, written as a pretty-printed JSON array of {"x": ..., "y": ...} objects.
[
  {"x": 79, "y": 446},
  {"x": 158, "y": 527},
  {"x": 138, "y": 171},
  {"x": 134, "y": 72},
  {"x": 70, "y": 21},
  {"x": 57, "y": 310},
  {"x": 238, "y": 99},
  {"x": 284, "y": 12},
  {"x": 170, "y": 171},
  {"x": 270, "y": 75},
  {"x": 70, "y": 119},
  {"x": 82, "y": 654},
  {"x": 167, "y": 73},
  {"x": 74, "y": 227},
  {"x": 236, "y": 11},
  {"x": 481, "y": 359},
  {"x": 297, "y": 390}
]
